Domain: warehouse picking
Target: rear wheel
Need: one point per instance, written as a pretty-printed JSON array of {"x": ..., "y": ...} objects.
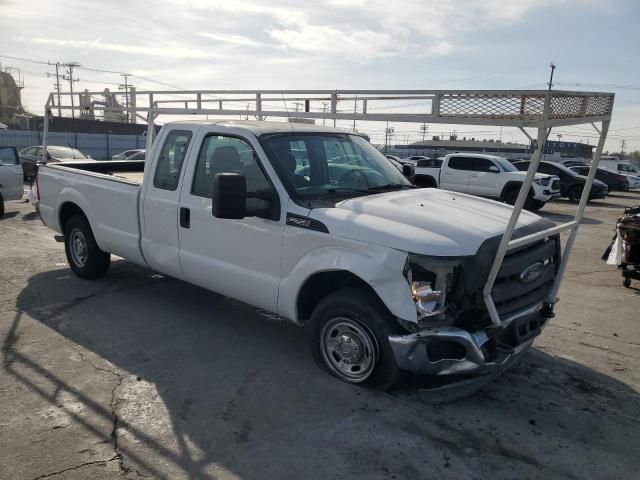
[
  {"x": 349, "y": 334},
  {"x": 83, "y": 254},
  {"x": 535, "y": 205},
  {"x": 423, "y": 182},
  {"x": 575, "y": 193}
]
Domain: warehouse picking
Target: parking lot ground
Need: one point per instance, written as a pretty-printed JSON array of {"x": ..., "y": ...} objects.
[{"x": 138, "y": 375}]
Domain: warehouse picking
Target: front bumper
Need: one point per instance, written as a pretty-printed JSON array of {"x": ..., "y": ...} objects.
[{"x": 450, "y": 350}]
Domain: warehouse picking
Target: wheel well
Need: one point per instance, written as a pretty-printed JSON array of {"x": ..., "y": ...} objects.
[
  {"x": 319, "y": 285},
  {"x": 509, "y": 187},
  {"x": 426, "y": 180},
  {"x": 67, "y": 211}
]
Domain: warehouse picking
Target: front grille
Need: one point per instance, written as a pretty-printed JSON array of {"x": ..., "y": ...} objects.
[
  {"x": 510, "y": 293},
  {"x": 555, "y": 185}
]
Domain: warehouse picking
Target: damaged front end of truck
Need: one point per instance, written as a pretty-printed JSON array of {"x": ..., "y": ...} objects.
[{"x": 455, "y": 334}]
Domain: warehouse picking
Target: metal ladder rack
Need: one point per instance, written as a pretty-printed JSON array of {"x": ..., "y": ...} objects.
[{"x": 539, "y": 109}]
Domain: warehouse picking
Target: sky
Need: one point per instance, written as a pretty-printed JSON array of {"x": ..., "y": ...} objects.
[{"x": 339, "y": 44}]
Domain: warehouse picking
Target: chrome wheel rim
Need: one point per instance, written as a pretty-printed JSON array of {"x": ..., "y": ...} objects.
[
  {"x": 349, "y": 349},
  {"x": 78, "y": 247}
]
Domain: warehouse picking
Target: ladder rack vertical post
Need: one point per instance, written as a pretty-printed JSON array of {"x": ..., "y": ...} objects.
[
  {"x": 45, "y": 127},
  {"x": 586, "y": 191},
  {"x": 259, "y": 105},
  {"x": 511, "y": 225}
]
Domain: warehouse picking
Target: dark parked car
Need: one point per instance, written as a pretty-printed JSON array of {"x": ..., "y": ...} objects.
[
  {"x": 571, "y": 183},
  {"x": 31, "y": 157},
  {"x": 614, "y": 180}
]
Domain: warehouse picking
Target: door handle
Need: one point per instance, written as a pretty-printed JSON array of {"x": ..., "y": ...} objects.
[{"x": 185, "y": 217}]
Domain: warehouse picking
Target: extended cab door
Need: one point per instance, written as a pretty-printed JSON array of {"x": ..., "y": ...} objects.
[
  {"x": 10, "y": 174},
  {"x": 483, "y": 179},
  {"x": 161, "y": 195},
  {"x": 238, "y": 258},
  {"x": 454, "y": 174}
]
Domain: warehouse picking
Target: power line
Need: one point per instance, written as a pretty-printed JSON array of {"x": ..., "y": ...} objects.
[{"x": 22, "y": 59}]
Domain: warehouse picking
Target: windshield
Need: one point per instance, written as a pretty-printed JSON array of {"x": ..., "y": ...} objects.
[
  {"x": 314, "y": 166},
  {"x": 505, "y": 165},
  {"x": 66, "y": 153}
]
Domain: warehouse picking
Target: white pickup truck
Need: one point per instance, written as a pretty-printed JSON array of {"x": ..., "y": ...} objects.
[
  {"x": 485, "y": 176},
  {"x": 11, "y": 187},
  {"x": 314, "y": 224}
]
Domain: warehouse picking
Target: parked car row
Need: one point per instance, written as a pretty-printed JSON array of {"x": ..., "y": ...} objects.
[
  {"x": 498, "y": 178},
  {"x": 31, "y": 157}
]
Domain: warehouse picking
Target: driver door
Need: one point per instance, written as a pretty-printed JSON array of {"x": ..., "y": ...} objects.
[
  {"x": 238, "y": 258},
  {"x": 11, "y": 175}
]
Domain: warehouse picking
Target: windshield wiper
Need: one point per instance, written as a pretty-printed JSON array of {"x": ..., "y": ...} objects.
[
  {"x": 390, "y": 186},
  {"x": 333, "y": 191}
]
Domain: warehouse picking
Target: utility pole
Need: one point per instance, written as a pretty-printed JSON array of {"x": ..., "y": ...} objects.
[
  {"x": 553, "y": 67},
  {"x": 559, "y": 135},
  {"x": 424, "y": 128},
  {"x": 57, "y": 84},
  {"x": 69, "y": 77},
  {"x": 623, "y": 147},
  {"x": 297, "y": 104},
  {"x": 125, "y": 86},
  {"x": 325, "y": 105},
  {"x": 388, "y": 133}
]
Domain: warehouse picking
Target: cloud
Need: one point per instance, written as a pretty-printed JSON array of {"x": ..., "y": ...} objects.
[
  {"x": 177, "y": 52},
  {"x": 233, "y": 39}
]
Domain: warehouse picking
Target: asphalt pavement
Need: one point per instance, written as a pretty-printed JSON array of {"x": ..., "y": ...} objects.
[{"x": 139, "y": 375}]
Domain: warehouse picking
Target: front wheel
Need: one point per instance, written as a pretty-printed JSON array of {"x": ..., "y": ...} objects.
[
  {"x": 83, "y": 254},
  {"x": 349, "y": 335}
]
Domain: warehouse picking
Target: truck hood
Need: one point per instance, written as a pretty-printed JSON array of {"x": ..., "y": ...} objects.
[{"x": 425, "y": 221}]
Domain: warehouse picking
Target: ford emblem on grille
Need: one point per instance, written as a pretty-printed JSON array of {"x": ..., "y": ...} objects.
[{"x": 532, "y": 272}]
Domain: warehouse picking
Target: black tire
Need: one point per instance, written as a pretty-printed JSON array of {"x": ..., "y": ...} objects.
[
  {"x": 535, "y": 205},
  {"x": 363, "y": 324},
  {"x": 1, "y": 206},
  {"x": 511, "y": 196},
  {"x": 424, "y": 183},
  {"x": 84, "y": 256},
  {"x": 575, "y": 193},
  {"x": 626, "y": 282}
]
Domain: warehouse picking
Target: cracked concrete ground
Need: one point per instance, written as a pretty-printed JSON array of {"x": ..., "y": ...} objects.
[{"x": 138, "y": 375}]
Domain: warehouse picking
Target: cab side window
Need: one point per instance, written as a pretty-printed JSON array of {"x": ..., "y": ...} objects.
[
  {"x": 221, "y": 154},
  {"x": 172, "y": 156},
  {"x": 481, "y": 165},
  {"x": 460, "y": 163}
]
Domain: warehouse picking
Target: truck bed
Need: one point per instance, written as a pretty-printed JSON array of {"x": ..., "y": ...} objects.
[
  {"x": 129, "y": 171},
  {"x": 108, "y": 194}
]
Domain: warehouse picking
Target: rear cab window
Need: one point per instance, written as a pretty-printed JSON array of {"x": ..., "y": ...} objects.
[{"x": 172, "y": 155}]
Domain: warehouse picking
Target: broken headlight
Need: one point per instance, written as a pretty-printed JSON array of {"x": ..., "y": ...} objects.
[{"x": 430, "y": 280}]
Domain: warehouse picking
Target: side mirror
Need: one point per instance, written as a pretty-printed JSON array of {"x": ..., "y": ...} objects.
[
  {"x": 229, "y": 196},
  {"x": 494, "y": 169},
  {"x": 408, "y": 171}
]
